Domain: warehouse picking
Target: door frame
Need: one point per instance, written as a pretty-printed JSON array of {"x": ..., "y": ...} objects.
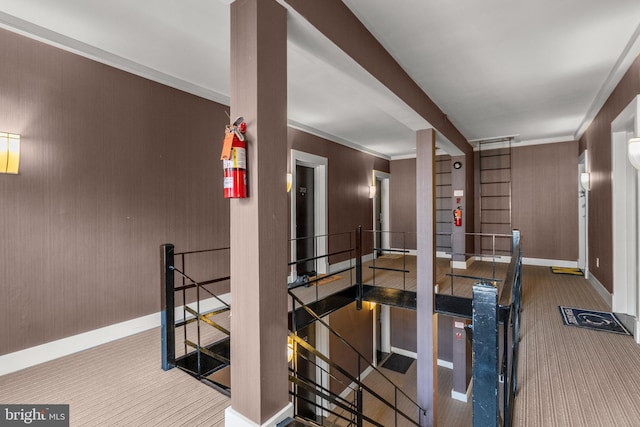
[
  {"x": 320, "y": 167},
  {"x": 583, "y": 221},
  {"x": 383, "y": 192},
  {"x": 626, "y": 292}
]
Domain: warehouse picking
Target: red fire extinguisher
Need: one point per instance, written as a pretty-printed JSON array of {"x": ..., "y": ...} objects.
[
  {"x": 234, "y": 160},
  {"x": 457, "y": 216}
]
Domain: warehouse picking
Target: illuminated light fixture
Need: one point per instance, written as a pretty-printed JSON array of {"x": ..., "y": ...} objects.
[
  {"x": 289, "y": 349},
  {"x": 289, "y": 182},
  {"x": 634, "y": 152},
  {"x": 585, "y": 180},
  {"x": 372, "y": 191},
  {"x": 9, "y": 153}
]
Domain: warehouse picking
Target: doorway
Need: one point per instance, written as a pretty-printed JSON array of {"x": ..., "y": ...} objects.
[
  {"x": 625, "y": 299},
  {"x": 583, "y": 209},
  {"x": 381, "y": 212},
  {"x": 305, "y": 220},
  {"x": 309, "y": 208}
]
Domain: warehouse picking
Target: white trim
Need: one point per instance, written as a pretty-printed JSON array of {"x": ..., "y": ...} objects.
[
  {"x": 440, "y": 254},
  {"x": 404, "y": 352},
  {"x": 77, "y": 47},
  {"x": 503, "y": 259},
  {"x": 463, "y": 397},
  {"x": 463, "y": 265},
  {"x": 629, "y": 54},
  {"x": 413, "y": 252},
  {"x": 404, "y": 156},
  {"x": 445, "y": 364},
  {"x": 235, "y": 419},
  {"x": 600, "y": 289},
  {"x": 32, "y": 356},
  {"x": 333, "y": 138},
  {"x": 385, "y": 328},
  {"x": 583, "y": 220},
  {"x": 322, "y": 367},
  {"x": 342, "y": 265},
  {"x": 42, "y": 353},
  {"x": 320, "y": 167},
  {"x": 385, "y": 238},
  {"x": 624, "y": 211},
  {"x": 550, "y": 262},
  {"x": 345, "y": 393}
]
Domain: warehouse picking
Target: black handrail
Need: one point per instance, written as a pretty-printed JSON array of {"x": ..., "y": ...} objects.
[
  {"x": 489, "y": 310},
  {"x": 191, "y": 311},
  {"x": 404, "y": 251},
  {"x": 309, "y": 348}
]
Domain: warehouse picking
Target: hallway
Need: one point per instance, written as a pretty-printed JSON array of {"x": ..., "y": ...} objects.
[{"x": 567, "y": 375}]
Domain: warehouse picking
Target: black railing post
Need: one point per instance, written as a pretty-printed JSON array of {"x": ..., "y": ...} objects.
[
  {"x": 359, "y": 267},
  {"x": 485, "y": 355},
  {"x": 168, "y": 332},
  {"x": 359, "y": 407}
]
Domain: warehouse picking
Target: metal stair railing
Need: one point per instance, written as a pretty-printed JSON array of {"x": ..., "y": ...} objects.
[
  {"x": 351, "y": 249},
  {"x": 356, "y": 379},
  {"x": 378, "y": 250},
  {"x": 490, "y": 309},
  {"x": 191, "y": 308}
]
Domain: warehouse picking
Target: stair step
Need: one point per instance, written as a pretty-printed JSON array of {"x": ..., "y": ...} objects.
[{"x": 208, "y": 364}]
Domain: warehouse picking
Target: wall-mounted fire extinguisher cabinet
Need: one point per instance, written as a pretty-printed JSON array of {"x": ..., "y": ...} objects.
[{"x": 234, "y": 160}]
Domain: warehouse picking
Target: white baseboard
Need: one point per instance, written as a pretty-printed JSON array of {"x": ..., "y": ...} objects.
[
  {"x": 550, "y": 262},
  {"x": 32, "y": 356},
  {"x": 404, "y": 352},
  {"x": 440, "y": 254},
  {"x": 234, "y": 419},
  {"x": 463, "y": 265},
  {"x": 413, "y": 252},
  {"x": 503, "y": 259},
  {"x": 348, "y": 263},
  {"x": 601, "y": 290},
  {"x": 345, "y": 393},
  {"x": 463, "y": 397},
  {"x": 445, "y": 364}
]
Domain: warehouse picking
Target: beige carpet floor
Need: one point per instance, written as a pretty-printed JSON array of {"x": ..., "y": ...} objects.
[{"x": 568, "y": 376}]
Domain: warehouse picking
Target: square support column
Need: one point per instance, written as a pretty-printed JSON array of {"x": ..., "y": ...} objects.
[
  {"x": 459, "y": 199},
  {"x": 427, "y": 324},
  {"x": 259, "y": 224}
]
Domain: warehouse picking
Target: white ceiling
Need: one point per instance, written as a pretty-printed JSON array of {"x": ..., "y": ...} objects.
[{"x": 538, "y": 71}]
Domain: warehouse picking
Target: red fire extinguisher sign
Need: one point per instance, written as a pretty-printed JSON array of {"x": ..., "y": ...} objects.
[{"x": 234, "y": 161}]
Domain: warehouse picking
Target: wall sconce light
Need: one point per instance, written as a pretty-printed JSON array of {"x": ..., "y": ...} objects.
[
  {"x": 585, "y": 180},
  {"x": 634, "y": 152},
  {"x": 289, "y": 349},
  {"x": 9, "y": 153},
  {"x": 289, "y": 182},
  {"x": 372, "y": 191}
]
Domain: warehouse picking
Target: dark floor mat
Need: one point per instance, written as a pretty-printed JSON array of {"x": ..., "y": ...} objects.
[{"x": 398, "y": 363}]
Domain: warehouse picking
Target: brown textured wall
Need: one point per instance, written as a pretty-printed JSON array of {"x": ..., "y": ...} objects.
[
  {"x": 545, "y": 199},
  {"x": 349, "y": 177},
  {"x": 403, "y": 332},
  {"x": 597, "y": 140},
  {"x": 403, "y": 329},
  {"x": 356, "y": 327},
  {"x": 112, "y": 166},
  {"x": 402, "y": 201},
  {"x": 535, "y": 207}
]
